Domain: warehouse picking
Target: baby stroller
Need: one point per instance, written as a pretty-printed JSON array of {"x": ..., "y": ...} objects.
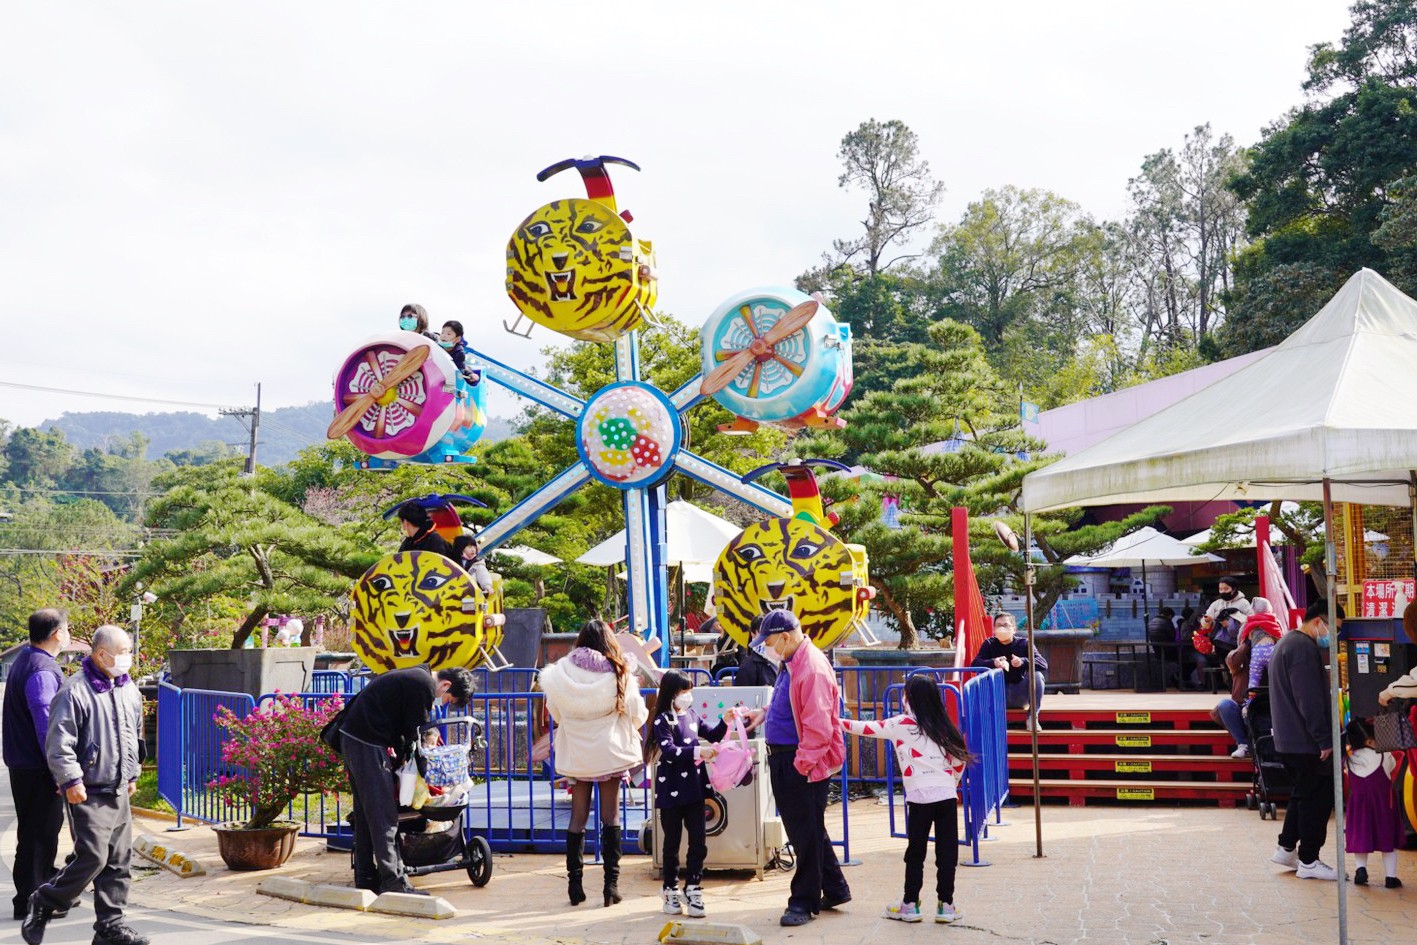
[
  {"x": 431, "y": 838},
  {"x": 1272, "y": 778}
]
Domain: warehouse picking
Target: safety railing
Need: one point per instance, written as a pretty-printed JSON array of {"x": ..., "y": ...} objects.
[{"x": 974, "y": 698}]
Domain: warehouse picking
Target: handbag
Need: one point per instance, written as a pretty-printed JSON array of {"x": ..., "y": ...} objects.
[
  {"x": 1392, "y": 729},
  {"x": 332, "y": 731},
  {"x": 733, "y": 765}
]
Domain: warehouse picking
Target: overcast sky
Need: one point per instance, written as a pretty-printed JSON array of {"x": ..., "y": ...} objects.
[{"x": 196, "y": 196}]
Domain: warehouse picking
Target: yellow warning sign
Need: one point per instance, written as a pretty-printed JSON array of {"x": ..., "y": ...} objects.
[
  {"x": 1136, "y": 794},
  {"x": 1133, "y": 718},
  {"x": 1133, "y": 741},
  {"x": 1133, "y": 767}
]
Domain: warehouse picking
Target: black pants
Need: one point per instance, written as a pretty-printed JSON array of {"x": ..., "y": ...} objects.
[
  {"x": 1310, "y": 804},
  {"x": 674, "y": 821},
  {"x": 920, "y": 819},
  {"x": 39, "y": 814},
  {"x": 802, "y": 805},
  {"x": 103, "y": 853},
  {"x": 376, "y": 813}
]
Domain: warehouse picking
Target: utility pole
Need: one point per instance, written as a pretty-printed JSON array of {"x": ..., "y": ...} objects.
[{"x": 241, "y": 414}]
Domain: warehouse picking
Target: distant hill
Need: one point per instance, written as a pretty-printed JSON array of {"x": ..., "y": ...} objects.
[{"x": 284, "y": 431}]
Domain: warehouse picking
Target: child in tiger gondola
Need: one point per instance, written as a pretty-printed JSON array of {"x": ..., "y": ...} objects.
[
  {"x": 1372, "y": 821},
  {"x": 680, "y": 785},
  {"x": 931, "y": 754}
]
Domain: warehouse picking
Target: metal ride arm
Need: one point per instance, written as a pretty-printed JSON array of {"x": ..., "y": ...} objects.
[
  {"x": 688, "y": 394},
  {"x": 552, "y": 398},
  {"x": 532, "y": 507},
  {"x": 714, "y": 475}
]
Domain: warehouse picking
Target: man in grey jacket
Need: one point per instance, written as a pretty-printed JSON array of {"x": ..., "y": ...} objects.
[
  {"x": 92, "y": 748},
  {"x": 1303, "y": 737}
]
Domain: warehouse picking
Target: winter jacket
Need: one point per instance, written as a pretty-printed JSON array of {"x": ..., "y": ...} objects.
[
  {"x": 1299, "y": 696},
  {"x": 816, "y": 707},
  {"x": 754, "y": 669},
  {"x": 1404, "y": 687},
  {"x": 33, "y": 683},
  {"x": 95, "y": 726},
  {"x": 429, "y": 541},
  {"x": 1240, "y": 603},
  {"x": 1261, "y": 623},
  {"x": 992, "y": 649},
  {"x": 392, "y": 710},
  {"x": 592, "y": 739},
  {"x": 680, "y": 777},
  {"x": 930, "y": 774}
]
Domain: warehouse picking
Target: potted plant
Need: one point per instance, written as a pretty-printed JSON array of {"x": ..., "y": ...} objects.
[{"x": 275, "y": 755}]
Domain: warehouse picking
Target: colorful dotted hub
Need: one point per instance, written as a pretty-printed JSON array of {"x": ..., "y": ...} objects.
[{"x": 628, "y": 435}]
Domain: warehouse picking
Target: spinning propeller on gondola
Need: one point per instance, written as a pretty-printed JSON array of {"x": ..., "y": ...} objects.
[
  {"x": 382, "y": 392},
  {"x": 760, "y": 350}
]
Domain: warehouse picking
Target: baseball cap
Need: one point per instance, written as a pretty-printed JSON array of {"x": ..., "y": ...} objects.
[{"x": 777, "y": 621}]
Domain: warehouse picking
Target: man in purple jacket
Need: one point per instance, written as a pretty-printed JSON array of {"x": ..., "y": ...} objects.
[{"x": 39, "y": 807}]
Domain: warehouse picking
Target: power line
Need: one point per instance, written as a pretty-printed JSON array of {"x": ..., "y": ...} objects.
[
  {"x": 92, "y": 393},
  {"x": 15, "y": 552},
  {"x": 81, "y": 492}
]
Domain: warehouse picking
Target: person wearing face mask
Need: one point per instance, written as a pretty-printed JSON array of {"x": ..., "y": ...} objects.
[
  {"x": 414, "y": 318},
  {"x": 1303, "y": 737},
  {"x": 1228, "y": 597},
  {"x": 33, "y": 683},
  {"x": 680, "y": 785},
  {"x": 1007, "y": 651},
  {"x": 382, "y": 726},
  {"x": 93, "y": 749},
  {"x": 755, "y": 667},
  {"x": 805, "y": 749}
]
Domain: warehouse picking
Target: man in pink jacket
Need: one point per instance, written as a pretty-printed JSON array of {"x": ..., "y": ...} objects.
[{"x": 805, "y": 748}]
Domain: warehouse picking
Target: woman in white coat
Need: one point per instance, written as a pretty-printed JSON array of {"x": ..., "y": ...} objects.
[{"x": 594, "y": 700}]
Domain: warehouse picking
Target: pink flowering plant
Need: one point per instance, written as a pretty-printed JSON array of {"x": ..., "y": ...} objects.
[{"x": 275, "y": 755}]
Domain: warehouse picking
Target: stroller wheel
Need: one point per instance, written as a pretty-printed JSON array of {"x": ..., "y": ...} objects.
[
  {"x": 1251, "y": 801},
  {"x": 1267, "y": 810},
  {"x": 479, "y": 866}
]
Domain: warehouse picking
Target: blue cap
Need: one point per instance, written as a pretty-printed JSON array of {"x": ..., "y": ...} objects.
[{"x": 777, "y": 621}]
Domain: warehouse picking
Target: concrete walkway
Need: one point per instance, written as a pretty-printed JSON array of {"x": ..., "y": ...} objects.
[{"x": 1123, "y": 875}]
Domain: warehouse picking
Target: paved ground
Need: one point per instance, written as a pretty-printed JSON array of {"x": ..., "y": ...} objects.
[{"x": 1124, "y": 875}]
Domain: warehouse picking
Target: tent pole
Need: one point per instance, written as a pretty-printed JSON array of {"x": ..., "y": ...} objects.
[
  {"x": 1033, "y": 692},
  {"x": 1335, "y": 713}
]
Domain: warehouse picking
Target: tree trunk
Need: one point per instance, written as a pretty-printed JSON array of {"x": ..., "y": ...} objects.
[
  {"x": 248, "y": 626},
  {"x": 908, "y": 635}
]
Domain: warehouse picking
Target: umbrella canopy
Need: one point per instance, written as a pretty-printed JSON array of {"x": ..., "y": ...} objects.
[
  {"x": 1145, "y": 547},
  {"x": 1333, "y": 400},
  {"x": 692, "y": 535},
  {"x": 527, "y": 555}
]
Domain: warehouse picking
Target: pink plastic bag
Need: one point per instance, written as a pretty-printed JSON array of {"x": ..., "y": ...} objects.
[{"x": 733, "y": 765}]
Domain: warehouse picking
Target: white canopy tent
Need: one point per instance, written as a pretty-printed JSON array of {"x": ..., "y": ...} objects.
[
  {"x": 693, "y": 536},
  {"x": 1333, "y": 401},
  {"x": 1327, "y": 414},
  {"x": 1143, "y": 548},
  {"x": 527, "y": 555}
]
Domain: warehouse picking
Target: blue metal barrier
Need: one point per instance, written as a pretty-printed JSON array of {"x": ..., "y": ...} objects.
[
  {"x": 329, "y": 680},
  {"x": 199, "y": 753},
  {"x": 727, "y": 672},
  {"x": 169, "y": 746}
]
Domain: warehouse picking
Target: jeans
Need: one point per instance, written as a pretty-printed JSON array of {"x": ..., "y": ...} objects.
[
  {"x": 1310, "y": 804},
  {"x": 1016, "y": 694},
  {"x": 802, "y": 804},
  {"x": 39, "y": 814},
  {"x": 674, "y": 821},
  {"x": 942, "y": 816},
  {"x": 1233, "y": 719}
]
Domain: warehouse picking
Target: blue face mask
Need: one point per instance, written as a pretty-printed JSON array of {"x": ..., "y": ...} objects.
[
  {"x": 1324, "y": 640},
  {"x": 407, "y": 322}
]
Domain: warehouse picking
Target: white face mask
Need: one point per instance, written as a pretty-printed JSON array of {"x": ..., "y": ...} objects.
[
  {"x": 683, "y": 700},
  {"x": 122, "y": 662},
  {"x": 768, "y": 653}
]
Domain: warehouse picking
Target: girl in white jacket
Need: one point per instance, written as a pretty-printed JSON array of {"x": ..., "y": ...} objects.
[
  {"x": 594, "y": 700},
  {"x": 931, "y": 755}
]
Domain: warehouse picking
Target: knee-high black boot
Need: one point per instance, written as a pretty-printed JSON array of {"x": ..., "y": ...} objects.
[
  {"x": 575, "y": 866},
  {"x": 610, "y": 852}
]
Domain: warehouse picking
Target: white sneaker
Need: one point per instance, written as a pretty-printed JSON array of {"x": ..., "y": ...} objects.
[
  {"x": 1317, "y": 870},
  {"x": 903, "y": 912},
  {"x": 1289, "y": 859},
  {"x": 694, "y": 902},
  {"x": 1242, "y": 752},
  {"x": 672, "y": 905},
  {"x": 945, "y": 913}
]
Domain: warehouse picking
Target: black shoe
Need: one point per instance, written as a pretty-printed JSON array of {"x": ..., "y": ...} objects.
[
  {"x": 401, "y": 886},
  {"x": 831, "y": 902},
  {"x": 37, "y": 916},
  {"x": 20, "y": 913},
  {"x": 364, "y": 883},
  {"x": 792, "y": 917},
  {"x": 1360, "y": 876},
  {"x": 118, "y": 934},
  {"x": 1392, "y": 882}
]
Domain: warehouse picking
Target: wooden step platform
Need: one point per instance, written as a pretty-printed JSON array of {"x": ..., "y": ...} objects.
[{"x": 1110, "y": 747}]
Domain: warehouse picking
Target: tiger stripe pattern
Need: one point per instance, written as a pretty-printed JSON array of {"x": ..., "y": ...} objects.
[{"x": 407, "y": 609}]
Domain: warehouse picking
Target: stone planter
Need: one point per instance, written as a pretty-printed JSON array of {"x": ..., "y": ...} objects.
[
  {"x": 1063, "y": 651},
  {"x": 262, "y": 849},
  {"x": 873, "y": 671}
]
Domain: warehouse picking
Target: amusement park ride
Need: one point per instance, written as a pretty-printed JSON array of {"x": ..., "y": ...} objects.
[{"x": 769, "y": 355}]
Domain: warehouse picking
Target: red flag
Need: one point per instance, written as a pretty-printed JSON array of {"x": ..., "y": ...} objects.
[{"x": 971, "y": 620}]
